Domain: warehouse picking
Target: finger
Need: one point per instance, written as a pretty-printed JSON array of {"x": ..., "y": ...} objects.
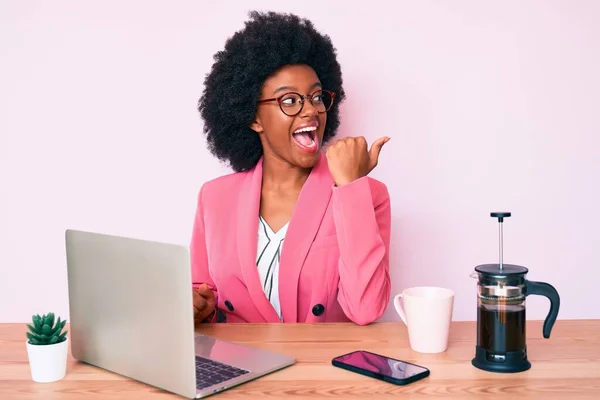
[
  {"x": 375, "y": 150},
  {"x": 199, "y": 302},
  {"x": 206, "y": 293},
  {"x": 337, "y": 143},
  {"x": 200, "y": 311},
  {"x": 203, "y": 289}
]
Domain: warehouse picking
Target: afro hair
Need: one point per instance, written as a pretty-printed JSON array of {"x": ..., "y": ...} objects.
[{"x": 232, "y": 88}]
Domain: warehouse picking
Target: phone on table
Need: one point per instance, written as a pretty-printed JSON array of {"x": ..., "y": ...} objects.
[{"x": 381, "y": 367}]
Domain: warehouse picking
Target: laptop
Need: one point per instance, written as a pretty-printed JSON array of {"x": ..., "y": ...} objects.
[{"x": 131, "y": 313}]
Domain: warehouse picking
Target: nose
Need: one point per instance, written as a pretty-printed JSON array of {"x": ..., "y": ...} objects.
[{"x": 308, "y": 110}]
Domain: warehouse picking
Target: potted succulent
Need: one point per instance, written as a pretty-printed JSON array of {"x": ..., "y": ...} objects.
[{"x": 47, "y": 348}]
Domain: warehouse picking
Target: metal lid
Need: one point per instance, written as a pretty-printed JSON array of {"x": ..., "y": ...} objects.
[
  {"x": 501, "y": 291},
  {"x": 507, "y": 269}
]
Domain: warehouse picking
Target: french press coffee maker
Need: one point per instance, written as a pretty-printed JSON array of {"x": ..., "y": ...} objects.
[{"x": 501, "y": 292}]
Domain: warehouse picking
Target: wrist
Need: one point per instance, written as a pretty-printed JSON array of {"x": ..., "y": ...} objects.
[{"x": 345, "y": 180}]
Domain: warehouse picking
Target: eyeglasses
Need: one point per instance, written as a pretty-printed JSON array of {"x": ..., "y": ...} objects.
[{"x": 292, "y": 103}]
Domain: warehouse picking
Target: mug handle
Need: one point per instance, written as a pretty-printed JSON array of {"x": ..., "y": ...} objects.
[{"x": 399, "y": 308}]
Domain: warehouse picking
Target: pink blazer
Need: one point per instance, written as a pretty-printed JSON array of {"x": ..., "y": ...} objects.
[{"x": 334, "y": 264}]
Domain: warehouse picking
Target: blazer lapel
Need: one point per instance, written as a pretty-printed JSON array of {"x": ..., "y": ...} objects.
[
  {"x": 306, "y": 219},
  {"x": 247, "y": 240}
]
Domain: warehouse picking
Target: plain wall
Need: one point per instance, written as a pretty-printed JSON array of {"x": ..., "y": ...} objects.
[{"x": 490, "y": 106}]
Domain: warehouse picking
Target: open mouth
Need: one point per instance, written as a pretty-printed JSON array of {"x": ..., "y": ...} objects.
[{"x": 306, "y": 138}]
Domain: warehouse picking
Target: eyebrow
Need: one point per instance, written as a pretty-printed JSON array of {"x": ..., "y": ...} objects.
[{"x": 293, "y": 88}]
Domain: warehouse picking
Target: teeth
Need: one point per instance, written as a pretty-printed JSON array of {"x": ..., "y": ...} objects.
[{"x": 307, "y": 129}]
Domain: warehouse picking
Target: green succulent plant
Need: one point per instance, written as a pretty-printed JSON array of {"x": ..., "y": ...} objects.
[{"x": 45, "y": 331}]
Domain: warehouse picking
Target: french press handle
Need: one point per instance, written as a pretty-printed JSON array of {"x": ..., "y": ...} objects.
[{"x": 546, "y": 290}]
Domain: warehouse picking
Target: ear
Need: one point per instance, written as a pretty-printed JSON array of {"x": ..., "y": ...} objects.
[{"x": 256, "y": 126}]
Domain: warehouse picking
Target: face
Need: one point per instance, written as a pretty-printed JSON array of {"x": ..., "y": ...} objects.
[{"x": 293, "y": 139}]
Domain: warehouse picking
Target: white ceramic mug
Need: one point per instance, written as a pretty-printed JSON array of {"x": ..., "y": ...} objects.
[{"x": 427, "y": 313}]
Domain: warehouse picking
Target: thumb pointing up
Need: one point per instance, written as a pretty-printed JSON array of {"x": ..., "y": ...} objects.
[{"x": 375, "y": 150}]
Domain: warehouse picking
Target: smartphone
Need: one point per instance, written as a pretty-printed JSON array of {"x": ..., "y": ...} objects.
[{"x": 381, "y": 367}]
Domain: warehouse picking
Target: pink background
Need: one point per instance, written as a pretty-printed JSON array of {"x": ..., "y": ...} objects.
[{"x": 490, "y": 106}]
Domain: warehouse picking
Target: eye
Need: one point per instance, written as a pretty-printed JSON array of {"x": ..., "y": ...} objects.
[{"x": 289, "y": 100}]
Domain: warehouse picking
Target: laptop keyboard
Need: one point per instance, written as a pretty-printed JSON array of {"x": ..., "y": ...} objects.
[{"x": 209, "y": 372}]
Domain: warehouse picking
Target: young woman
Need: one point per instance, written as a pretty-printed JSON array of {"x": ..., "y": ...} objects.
[{"x": 296, "y": 233}]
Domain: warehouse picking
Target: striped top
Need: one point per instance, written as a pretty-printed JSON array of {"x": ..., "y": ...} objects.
[{"x": 267, "y": 260}]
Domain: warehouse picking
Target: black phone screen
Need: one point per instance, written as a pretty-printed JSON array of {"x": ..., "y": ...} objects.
[{"x": 382, "y": 366}]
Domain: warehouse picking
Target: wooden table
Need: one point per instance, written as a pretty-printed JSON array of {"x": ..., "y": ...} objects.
[{"x": 566, "y": 366}]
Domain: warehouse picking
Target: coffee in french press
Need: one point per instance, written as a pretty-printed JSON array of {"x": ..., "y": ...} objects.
[{"x": 501, "y": 323}]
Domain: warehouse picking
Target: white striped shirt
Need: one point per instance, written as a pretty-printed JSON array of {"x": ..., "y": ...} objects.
[{"x": 267, "y": 260}]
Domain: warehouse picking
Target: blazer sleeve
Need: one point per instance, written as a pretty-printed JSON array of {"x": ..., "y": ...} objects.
[
  {"x": 362, "y": 217},
  {"x": 198, "y": 254}
]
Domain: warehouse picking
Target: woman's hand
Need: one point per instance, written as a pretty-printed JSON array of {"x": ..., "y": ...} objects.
[
  {"x": 204, "y": 303},
  {"x": 348, "y": 158}
]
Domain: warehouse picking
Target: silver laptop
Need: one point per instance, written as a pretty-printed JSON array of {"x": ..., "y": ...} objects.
[{"x": 131, "y": 313}]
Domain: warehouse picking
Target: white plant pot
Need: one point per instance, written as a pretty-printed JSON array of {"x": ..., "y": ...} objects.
[{"x": 48, "y": 363}]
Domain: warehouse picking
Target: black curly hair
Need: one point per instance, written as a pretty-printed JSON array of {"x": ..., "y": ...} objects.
[{"x": 268, "y": 42}]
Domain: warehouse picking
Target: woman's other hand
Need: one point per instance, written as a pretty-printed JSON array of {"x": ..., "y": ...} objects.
[{"x": 204, "y": 302}]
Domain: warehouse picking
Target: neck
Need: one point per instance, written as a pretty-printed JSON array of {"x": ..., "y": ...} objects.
[{"x": 279, "y": 174}]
